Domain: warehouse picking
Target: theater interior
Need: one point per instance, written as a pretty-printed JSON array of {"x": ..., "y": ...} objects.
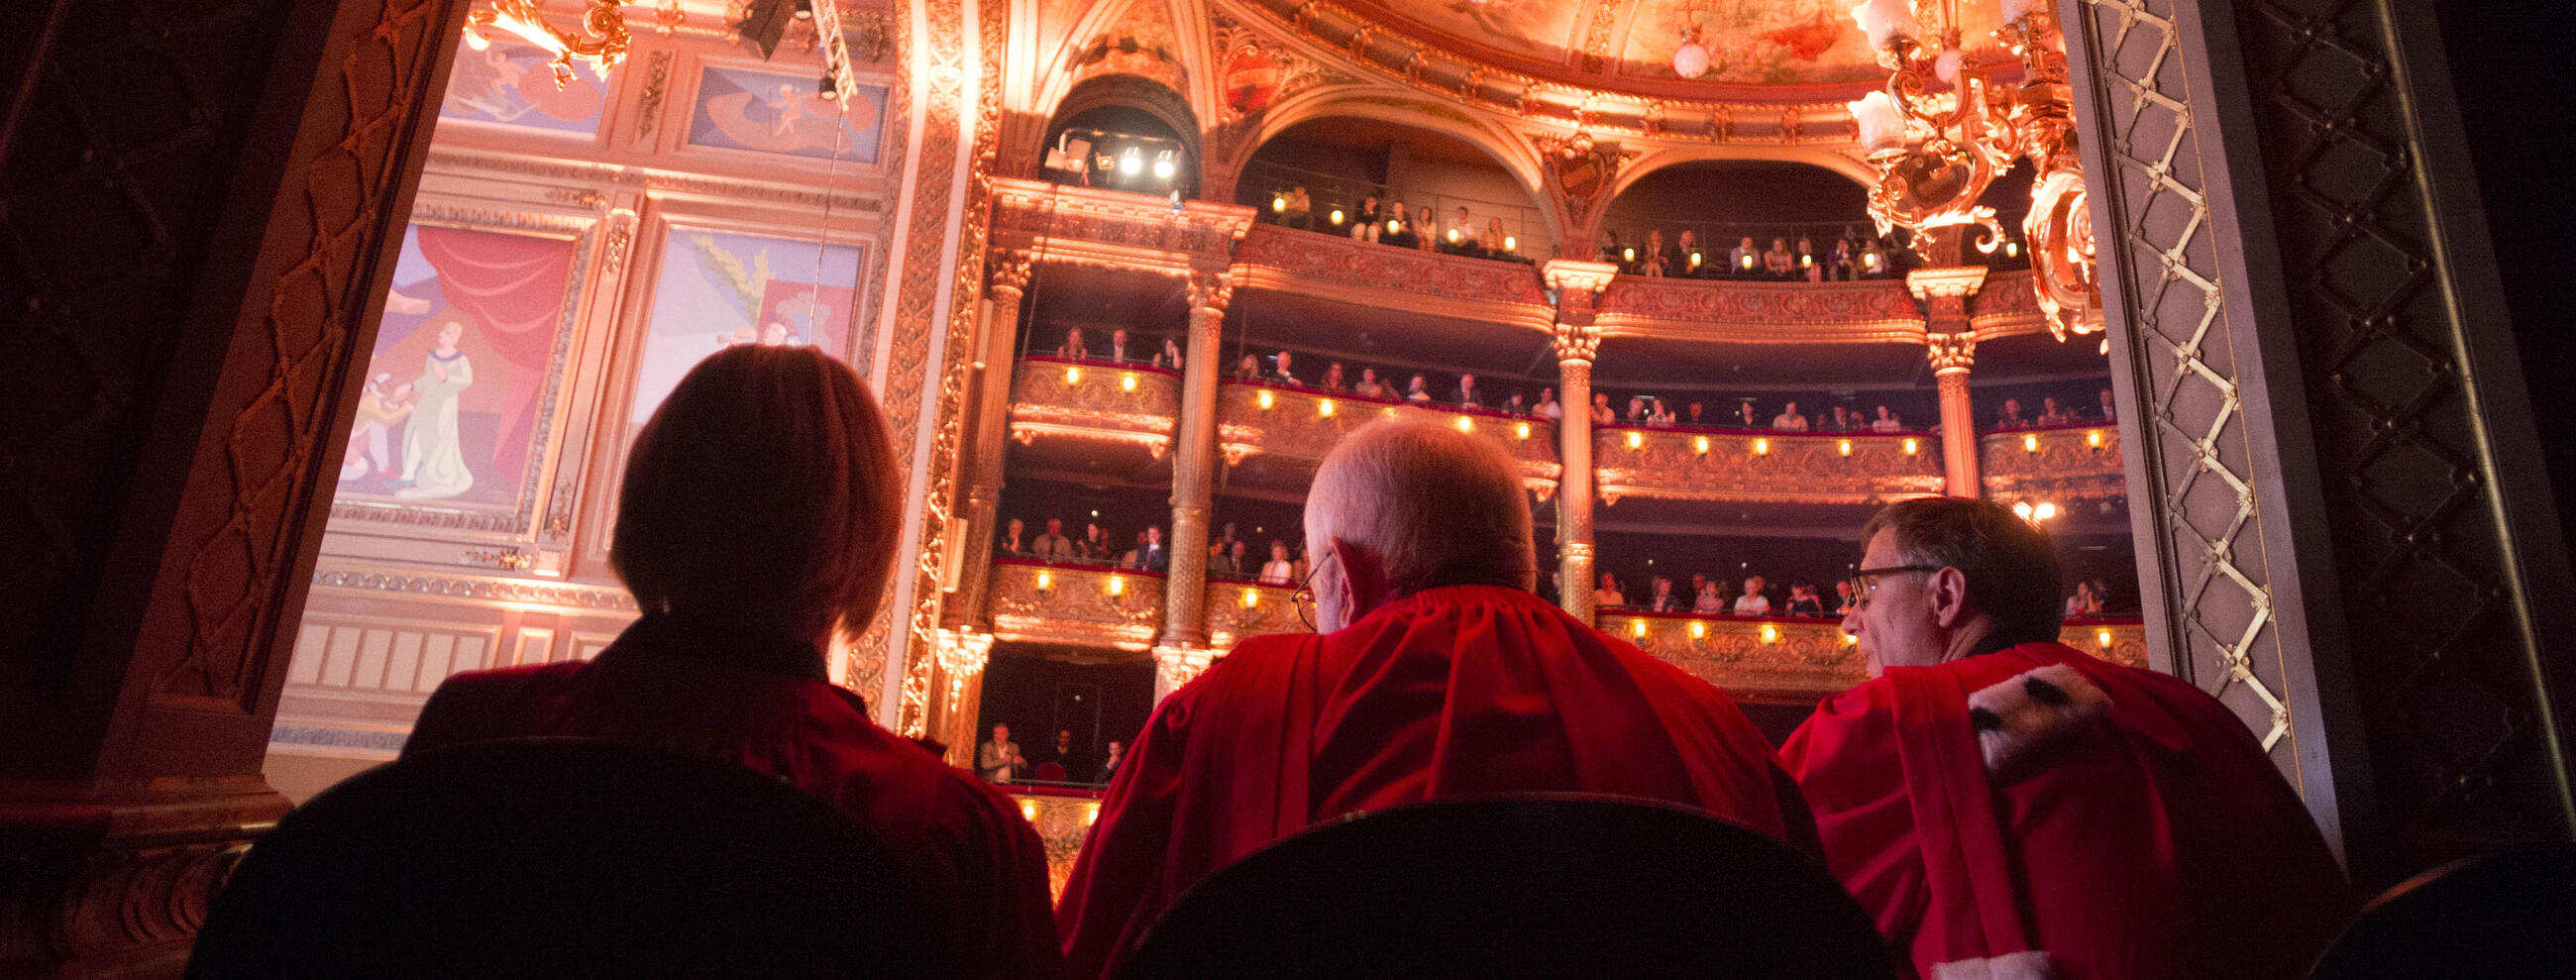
[{"x": 2245, "y": 303}]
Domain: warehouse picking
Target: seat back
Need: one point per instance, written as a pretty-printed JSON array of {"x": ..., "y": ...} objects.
[
  {"x": 563, "y": 858},
  {"x": 1520, "y": 887},
  {"x": 1049, "y": 772},
  {"x": 2511, "y": 914}
]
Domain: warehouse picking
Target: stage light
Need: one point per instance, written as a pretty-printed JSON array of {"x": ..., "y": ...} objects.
[
  {"x": 1163, "y": 167},
  {"x": 1131, "y": 163}
]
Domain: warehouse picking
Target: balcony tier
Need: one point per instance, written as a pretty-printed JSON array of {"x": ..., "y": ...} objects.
[
  {"x": 1343, "y": 269},
  {"x": 1797, "y": 660},
  {"x": 1076, "y": 605},
  {"x": 1756, "y": 466},
  {"x": 1099, "y": 401},
  {"x": 1297, "y": 426},
  {"x": 2059, "y": 464},
  {"x": 1240, "y": 609}
]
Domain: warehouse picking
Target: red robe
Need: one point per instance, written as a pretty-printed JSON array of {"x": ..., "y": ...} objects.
[
  {"x": 981, "y": 863},
  {"x": 1453, "y": 692},
  {"x": 2156, "y": 840}
]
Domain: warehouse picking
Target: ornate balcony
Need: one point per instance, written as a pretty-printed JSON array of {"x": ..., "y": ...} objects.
[
  {"x": 2058, "y": 464},
  {"x": 2118, "y": 639},
  {"x": 1100, "y": 401},
  {"x": 1076, "y": 605},
  {"x": 1347, "y": 270},
  {"x": 1113, "y": 229},
  {"x": 1239, "y": 609},
  {"x": 1792, "y": 660},
  {"x": 1876, "y": 311},
  {"x": 1063, "y": 819},
  {"x": 1739, "y": 466},
  {"x": 1300, "y": 425}
]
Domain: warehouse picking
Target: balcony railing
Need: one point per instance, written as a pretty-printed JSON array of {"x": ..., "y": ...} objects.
[
  {"x": 2118, "y": 639},
  {"x": 1756, "y": 466},
  {"x": 1076, "y": 605},
  {"x": 1343, "y": 269},
  {"x": 1063, "y": 819},
  {"x": 1868, "y": 311},
  {"x": 1303, "y": 424},
  {"x": 2056, "y": 464},
  {"x": 1797, "y": 660},
  {"x": 1240, "y": 609},
  {"x": 1103, "y": 401}
]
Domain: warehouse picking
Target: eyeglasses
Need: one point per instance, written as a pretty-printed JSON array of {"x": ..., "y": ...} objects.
[
  {"x": 1304, "y": 597},
  {"x": 1866, "y": 580}
]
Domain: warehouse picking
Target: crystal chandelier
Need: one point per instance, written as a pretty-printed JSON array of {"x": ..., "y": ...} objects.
[
  {"x": 524, "y": 18},
  {"x": 1936, "y": 151}
]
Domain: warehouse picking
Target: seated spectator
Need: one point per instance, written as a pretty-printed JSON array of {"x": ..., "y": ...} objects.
[
  {"x": 1433, "y": 674},
  {"x": 1053, "y": 545},
  {"x": 1428, "y": 241},
  {"x": 2051, "y": 414},
  {"x": 2093, "y": 820},
  {"x": 1659, "y": 414},
  {"x": 1468, "y": 396},
  {"x": 1745, "y": 416},
  {"x": 1014, "y": 543},
  {"x": 1399, "y": 231},
  {"x": 1516, "y": 404},
  {"x": 1094, "y": 546},
  {"x": 1278, "y": 570},
  {"x": 1838, "y": 260},
  {"x": 1636, "y": 410},
  {"x": 1803, "y": 600},
  {"x": 1459, "y": 237},
  {"x": 1840, "y": 421},
  {"x": 1300, "y": 212},
  {"x": 1789, "y": 419},
  {"x": 1248, "y": 369},
  {"x": 1547, "y": 405},
  {"x": 1744, "y": 260},
  {"x": 1661, "y": 598},
  {"x": 1370, "y": 386},
  {"x": 1696, "y": 417},
  {"x": 1873, "y": 261},
  {"x": 1886, "y": 421},
  {"x": 1777, "y": 262},
  {"x": 1494, "y": 241},
  {"x": 1332, "y": 376},
  {"x": 1686, "y": 257},
  {"x": 1170, "y": 356},
  {"x": 1708, "y": 600},
  {"x": 1282, "y": 370},
  {"x": 1073, "y": 348},
  {"x": 999, "y": 760},
  {"x": 2109, "y": 412},
  {"x": 1236, "y": 562},
  {"x": 1110, "y": 757},
  {"x": 1150, "y": 554},
  {"x": 1368, "y": 220},
  {"x": 1613, "y": 252},
  {"x": 1601, "y": 413},
  {"x": 1419, "y": 390},
  {"x": 1654, "y": 260},
  {"x": 1753, "y": 602},
  {"x": 1118, "y": 350},
  {"x": 2084, "y": 602},
  {"x": 758, "y": 518},
  {"x": 1806, "y": 253},
  {"x": 1608, "y": 595},
  {"x": 2010, "y": 417}
]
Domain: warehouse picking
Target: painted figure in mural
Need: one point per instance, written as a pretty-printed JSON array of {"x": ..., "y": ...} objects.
[
  {"x": 380, "y": 407},
  {"x": 433, "y": 456}
]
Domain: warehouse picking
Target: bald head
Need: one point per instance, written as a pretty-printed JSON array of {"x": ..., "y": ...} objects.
[{"x": 1420, "y": 506}]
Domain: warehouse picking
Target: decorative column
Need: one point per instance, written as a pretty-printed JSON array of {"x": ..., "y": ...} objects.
[
  {"x": 1951, "y": 343},
  {"x": 1181, "y": 652},
  {"x": 965, "y": 631},
  {"x": 1577, "y": 285}
]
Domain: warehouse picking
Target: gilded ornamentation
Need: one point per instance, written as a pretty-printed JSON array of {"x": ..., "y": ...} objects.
[
  {"x": 1855, "y": 468},
  {"x": 510, "y": 590},
  {"x": 620, "y": 239},
  {"x": 1951, "y": 353},
  {"x": 1295, "y": 427},
  {"x": 511, "y": 559},
  {"x": 1063, "y": 823},
  {"x": 1092, "y": 400},
  {"x": 1076, "y": 605},
  {"x": 1333, "y": 267},
  {"x": 1947, "y": 282},
  {"x": 657, "y": 84},
  {"x": 1873, "y": 311},
  {"x": 662, "y": 183},
  {"x": 1780, "y": 661},
  {"x": 2055, "y": 465},
  {"x": 1210, "y": 290},
  {"x": 1239, "y": 610},
  {"x": 1113, "y": 229}
]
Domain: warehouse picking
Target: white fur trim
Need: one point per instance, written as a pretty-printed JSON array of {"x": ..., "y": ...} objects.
[
  {"x": 2030, "y": 965},
  {"x": 2019, "y": 717}
]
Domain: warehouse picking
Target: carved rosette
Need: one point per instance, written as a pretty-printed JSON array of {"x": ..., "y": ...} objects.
[{"x": 1754, "y": 468}]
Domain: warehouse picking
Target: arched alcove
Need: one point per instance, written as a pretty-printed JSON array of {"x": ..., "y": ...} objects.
[
  {"x": 1135, "y": 106},
  {"x": 1340, "y": 159},
  {"x": 1726, "y": 200}
]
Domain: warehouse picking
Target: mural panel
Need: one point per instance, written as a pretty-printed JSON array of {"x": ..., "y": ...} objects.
[
  {"x": 718, "y": 289},
  {"x": 779, "y": 112},
  {"x": 511, "y": 85}
]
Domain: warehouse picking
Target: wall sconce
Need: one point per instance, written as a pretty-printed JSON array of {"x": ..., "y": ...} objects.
[
  {"x": 1694, "y": 260},
  {"x": 1046, "y": 581},
  {"x": 1073, "y": 375},
  {"x": 1278, "y": 204},
  {"x": 1127, "y": 381},
  {"x": 1511, "y": 243},
  {"x": 1251, "y": 598},
  {"x": 1637, "y": 628},
  {"x": 1761, "y": 447},
  {"x": 1911, "y": 446},
  {"x": 1628, "y": 254},
  {"x": 1699, "y": 444},
  {"x": 1324, "y": 407},
  {"x": 1636, "y": 440},
  {"x": 2093, "y": 438},
  {"x": 1029, "y": 810},
  {"x": 1520, "y": 430},
  {"x": 1117, "y": 585},
  {"x": 2030, "y": 443},
  {"x": 1393, "y": 226},
  {"x": 1698, "y": 630},
  {"x": 1770, "y": 633},
  {"x": 1844, "y": 446},
  {"x": 1265, "y": 399},
  {"x": 2102, "y": 638},
  {"x": 1337, "y": 216},
  {"x": 1466, "y": 424}
]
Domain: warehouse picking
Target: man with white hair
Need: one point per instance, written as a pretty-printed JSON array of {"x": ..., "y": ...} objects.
[{"x": 1434, "y": 673}]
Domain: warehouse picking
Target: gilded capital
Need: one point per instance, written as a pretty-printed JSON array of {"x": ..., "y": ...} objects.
[
  {"x": 1211, "y": 290},
  {"x": 1951, "y": 353},
  {"x": 1011, "y": 269},
  {"x": 1948, "y": 282},
  {"x": 1576, "y": 342},
  {"x": 1583, "y": 277}
]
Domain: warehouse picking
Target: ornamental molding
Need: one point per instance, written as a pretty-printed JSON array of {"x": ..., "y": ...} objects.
[
  {"x": 662, "y": 182},
  {"x": 1721, "y": 311},
  {"x": 1947, "y": 282},
  {"x": 1826, "y": 469},
  {"x": 1951, "y": 353},
  {"x": 562, "y": 595},
  {"x": 1340, "y": 269},
  {"x": 1589, "y": 277},
  {"x": 1114, "y": 229}
]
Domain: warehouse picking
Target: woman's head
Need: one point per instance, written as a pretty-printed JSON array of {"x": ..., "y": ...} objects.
[
  {"x": 762, "y": 491},
  {"x": 1278, "y": 550}
]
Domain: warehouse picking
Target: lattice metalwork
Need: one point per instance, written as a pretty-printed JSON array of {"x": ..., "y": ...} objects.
[
  {"x": 2443, "y": 648},
  {"x": 2182, "y": 356}
]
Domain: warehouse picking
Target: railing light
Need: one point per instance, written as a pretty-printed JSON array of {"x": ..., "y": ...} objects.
[
  {"x": 1628, "y": 255},
  {"x": 2093, "y": 438},
  {"x": 1278, "y": 203},
  {"x": 2044, "y": 511},
  {"x": 1770, "y": 633},
  {"x": 1127, "y": 381},
  {"x": 1845, "y": 446},
  {"x": 1046, "y": 580},
  {"x": 2030, "y": 443},
  {"x": 1337, "y": 216},
  {"x": 1251, "y": 598},
  {"x": 1029, "y": 810},
  {"x": 1694, "y": 260},
  {"x": 1698, "y": 630},
  {"x": 1520, "y": 430},
  {"x": 1699, "y": 444},
  {"x": 1117, "y": 585},
  {"x": 1761, "y": 447},
  {"x": 1453, "y": 236},
  {"x": 1636, "y": 440},
  {"x": 1806, "y": 260},
  {"x": 1393, "y": 226},
  {"x": 1264, "y": 398},
  {"x": 2102, "y": 638},
  {"x": 1324, "y": 407},
  {"x": 1637, "y": 628},
  {"x": 1511, "y": 243},
  {"x": 1091, "y": 813},
  {"x": 1850, "y": 639},
  {"x": 1911, "y": 446},
  {"x": 1073, "y": 375},
  {"x": 1466, "y": 424}
]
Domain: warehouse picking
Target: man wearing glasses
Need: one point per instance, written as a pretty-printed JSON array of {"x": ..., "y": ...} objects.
[
  {"x": 2008, "y": 806},
  {"x": 1434, "y": 673}
]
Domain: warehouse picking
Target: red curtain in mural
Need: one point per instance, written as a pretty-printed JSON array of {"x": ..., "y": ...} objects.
[{"x": 513, "y": 287}]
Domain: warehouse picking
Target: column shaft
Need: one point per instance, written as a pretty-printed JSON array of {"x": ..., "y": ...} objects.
[
  {"x": 983, "y": 477},
  {"x": 1194, "y": 470},
  {"x": 1574, "y": 488},
  {"x": 1958, "y": 434}
]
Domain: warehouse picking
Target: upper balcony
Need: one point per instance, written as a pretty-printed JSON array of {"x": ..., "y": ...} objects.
[
  {"x": 1791, "y": 660},
  {"x": 1288, "y": 429},
  {"x": 1240, "y": 609},
  {"x": 2058, "y": 464},
  {"x": 1368, "y": 275},
  {"x": 1762, "y": 466},
  {"x": 1076, "y": 605},
  {"x": 1131, "y": 405}
]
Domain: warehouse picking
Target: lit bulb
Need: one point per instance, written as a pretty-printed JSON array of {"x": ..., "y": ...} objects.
[
  {"x": 1117, "y": 585},
  {"x": 2022, "y": 510},
  {"x": 1045, "y": 581},
  {"x": 1163, "y": 169},
  {"x": 1127, "y": 382},
  {"x": 2093, "y": 438},
  {"x": 1324, "y": 407},
  {"x": 1251, "y": 598},
  {"x": 1845, "y": 446},
  {"x": 1131, "y": 163},
  {"x": 2102, "y": 638},
  {"x": 1770, "y": 633},
  {"x": 1278, "y": 203},
  {"x": 2030, "y": 443},
  {"x": 1629, "y": 253},
  {"x": 1761, "y": 447},
  {"x": 1511, "y": 244},
  {"x": 1637, "y": 628},
  {"x": 1911, "y": 446},
  {"x": 1636, "y": 439},
  {"x": 1337, "y": 216},
  {"x": 1466, "y": 424},
  {"x": 1264, "y": 398},
  {"x": 1520, "y": 430},
  {"x": 1073, "y": 375},
  {"x": 1698, "y": 630},
  {"x": 2044, "y": 511},
  {"x": 1699, "y": 444}
]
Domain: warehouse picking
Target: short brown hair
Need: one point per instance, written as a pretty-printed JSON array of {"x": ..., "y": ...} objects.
[
  {"x": 2011, "y": 566},
  {"x": 762, "y": 491}
]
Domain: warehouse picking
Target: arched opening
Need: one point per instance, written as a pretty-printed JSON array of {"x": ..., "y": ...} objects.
[
  {"x": 1721, "y": 205},
  {"x": 1341, "y": 163},
  {"x": 1124, "y": 132}
]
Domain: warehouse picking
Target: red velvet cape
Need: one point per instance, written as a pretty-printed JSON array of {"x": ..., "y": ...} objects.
[
  {"x": 2161, "y": 844},
  {"x": 964, "y": 842},
  {"x": 1453, "y": 692}
]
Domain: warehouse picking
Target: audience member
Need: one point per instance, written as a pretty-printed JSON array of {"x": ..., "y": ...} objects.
[
  {"x": 1468, "y": 396},
  {"x": 1170, "y": 357},
  {"x": 1838, "y": 262},
  {"x": 2110, "y": 413},
  {"x": 1886, "y": 421},
  {"x": 1399, "y": 231},
  {"x": 2084, "y": 602},
  {"x": 1845, "y": 602},
  {"x": 1053, "y": 545},
  {"x": 1333, "y": 376},
  {"x": 1660, "y": 598},
  {"x": 1434, "y": 673},
  {"x": 1248, "y": 369},
  {"x": 1753, "y": 602},
  {"x": 1368, "y": 220},
  {"x": 1118, "y": 350},
  {"x": 999, "y": 760},
  {"x": 1495, "y": 241},
  {"x": 1777, "y": 261},
  {"x": 1636, "y": 410},
  {"x": 1111, "y": 756},
  {"x": 758, "y": 518},
  {"x": 1063, "y": 755},
  {"x": 2007, "y": 805},
  {"x": 1013, "y": 543},
  {"x": 1601, "y": 413},
  {"x": 1803, "y": 600},
  {"x": 1547, "y": 405},
  {"x": 1232, "y": 563},
  {"x": 1744, "y": 259},
  {"x": 1789, "y": 419},
  {"x": 2010, "y": 417},
  {"x": 1708, "y": 601},
  {"x": 1368, "y": 386},
  {"x": 1418, "y": 390},
  {"x": 1686, "y": 255},
  {"x": 1300, "y": 212},
  {"x": 1842, "y": 420},
  {"x": 1608, "y": 595},
  {"x": 1515, "y": 404},
  {"x": 1278, "y": 570},
  {"x": 1745, "y": 416},
  {"x": 1151, "y": 556},
  {"x": 1697, "y": 416},
  {"x": 1094, "y": 545},
  {"x": 1073, "y": 347},
  {"x": 1655, "y": 260},
  {"x": 2051, "y": 414},
  {"x": 1282, "y": 369}
]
